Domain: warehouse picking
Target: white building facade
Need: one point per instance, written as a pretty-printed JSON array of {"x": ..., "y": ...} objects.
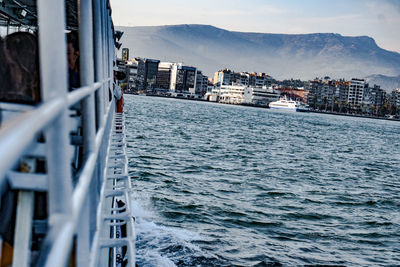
[
  {"x": 356, "y": 92},
  {"x": 240, "y": 94},
  {"x": 259, "y": 96}
]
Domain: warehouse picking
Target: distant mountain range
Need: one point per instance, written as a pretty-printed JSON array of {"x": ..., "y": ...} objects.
[
  {"x": 283, "y": 56},
  {"x": 386, "y": 82}
]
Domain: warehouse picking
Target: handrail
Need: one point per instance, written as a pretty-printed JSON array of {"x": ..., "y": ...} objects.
[
  {"x": 67, "y": 204},
  {"x": 64, "y": 238},
  {"x": 84, "y": 179},
  {"x": 17, "y": 134},
  {"x": 96, "y": 237},
  {"x": 77, "y": 95}
]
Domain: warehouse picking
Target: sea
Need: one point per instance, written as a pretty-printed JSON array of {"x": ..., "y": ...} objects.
[{"x": 226, "y": 185}]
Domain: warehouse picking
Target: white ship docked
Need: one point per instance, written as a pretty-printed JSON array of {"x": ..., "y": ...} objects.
[{"x": 287, "y": 104}]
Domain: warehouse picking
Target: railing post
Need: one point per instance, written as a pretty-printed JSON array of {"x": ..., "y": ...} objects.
[
  {"x": 111, "y": 50},
  {"x": 98, "y": 61},
  {"x": 108, "y": 45},
  {"x": 100, "y": 95},
  {"x": 53, "y": 69},
  {"x": 104, "y": 45},
  {"x": 88, "y": 122},
  {"x": 87, "y": 74},
  {"x": 23, "y": 229}
]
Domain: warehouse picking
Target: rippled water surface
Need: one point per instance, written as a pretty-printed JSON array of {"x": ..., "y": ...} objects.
[{"x": 221, "y": 185}]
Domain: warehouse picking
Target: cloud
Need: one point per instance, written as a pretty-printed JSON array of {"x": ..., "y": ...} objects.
[
  {"x": 386, "y": 12},
  {"x": 394, "y": 3},
  {"x": 271, "y": 9}
]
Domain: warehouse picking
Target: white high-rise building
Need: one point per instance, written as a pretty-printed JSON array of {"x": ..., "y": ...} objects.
[
  {"x": 356, "y": 92},
  {"x": 183, "y": 78}
]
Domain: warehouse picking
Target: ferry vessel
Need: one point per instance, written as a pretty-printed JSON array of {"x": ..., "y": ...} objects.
[
  {"x": 64, "y": 186},
  {"x": 286, "y": 104}
]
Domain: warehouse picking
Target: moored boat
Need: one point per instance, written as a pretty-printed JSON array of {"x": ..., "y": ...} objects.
[{"x": 287, "y": 104}]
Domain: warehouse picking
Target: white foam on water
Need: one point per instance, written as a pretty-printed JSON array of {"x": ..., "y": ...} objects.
[
  {"x": 152, "y": 258},
  {"x": 155, "y": 243}
]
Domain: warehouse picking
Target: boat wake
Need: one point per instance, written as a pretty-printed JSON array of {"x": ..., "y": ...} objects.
[{"x": 163, "y": 245}]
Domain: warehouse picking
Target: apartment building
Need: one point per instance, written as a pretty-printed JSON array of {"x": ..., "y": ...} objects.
[
  {"x": 356, "y": 92},
  {"x": 183, "y": 78}
]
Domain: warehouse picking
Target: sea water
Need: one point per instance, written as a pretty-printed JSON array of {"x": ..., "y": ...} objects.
[{"x": 224, "y": 185}]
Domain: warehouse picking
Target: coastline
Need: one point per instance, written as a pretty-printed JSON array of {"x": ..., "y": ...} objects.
[
  {"x": 261, "y": 106},
  {"x": 354, "y": 115}
]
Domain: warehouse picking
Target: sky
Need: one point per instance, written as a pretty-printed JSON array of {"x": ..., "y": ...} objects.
[{"x": 379, "y": 19}]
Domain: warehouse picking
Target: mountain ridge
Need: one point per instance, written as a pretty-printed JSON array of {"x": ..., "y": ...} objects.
[
  {"x": 304, "y": 56},
  {"x": 388, "y": 83}
]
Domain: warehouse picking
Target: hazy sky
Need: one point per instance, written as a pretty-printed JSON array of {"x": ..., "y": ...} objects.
[{"x": 379, "y": 19}]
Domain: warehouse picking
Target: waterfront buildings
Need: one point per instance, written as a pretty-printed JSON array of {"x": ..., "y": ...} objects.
[
  {"x": 130, "y": 67},
  {"x": 147, "y": 73},
  {"x": 223, "y": 77},
  {"x": 373, "y": 98},
  {"x": 212, "y": 94},
  {"x": 260, "y": 96},
  {"x": 242, "y": 94},
  {"x": 183, "y": 78},
  {"x": 164, "y": 78},
  {"x": 395, "y": 98},
  {"x": 326, "y": 94},
  {"x": 201, "y": 84},
  {"x": 231, "y": 94},
  {"x": 294, "y": 93},
  {"x": 351, "y": 96},
  {"x": 229, "y": 77},
  {"x": 177, "y": 78},
  {"x": 132, "y": 75},
  {"x": 125, "y": 54},
  {"x": 356, "y": 92},
  {"x": 246, "y": 88},
  {"x": 292, "y": 83},
  {"x": 164, "y": 75}
]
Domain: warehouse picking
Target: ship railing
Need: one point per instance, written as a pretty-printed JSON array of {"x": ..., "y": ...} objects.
[{"x": 72, "y": 209}]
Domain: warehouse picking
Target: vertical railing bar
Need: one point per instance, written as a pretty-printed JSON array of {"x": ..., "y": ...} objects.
[
  {"x": 111, "y": 61},
  {"x": 104, "y": 41},
  {"x": 64, "y": 235},
  {"x": 110, "y": 37},
  {"x": 103, "y": 74},
  {"x": 99, "y": 98},
  {"x": 107, "y": 40},
  {"x": 106, "y": 71},
  {"x": 109, "y": 85},
  {"x": 23, "y": 229},
  {"x": 88, "y": 123},
  {"x": 103, "y": 257},
  {"x": 54, "y": 84},
  {"x": 87, "y": 74},
  {"x": 53, "y": 69},
  {"x": 83, "y": 230},
  {"x": 98, "y": 54}
]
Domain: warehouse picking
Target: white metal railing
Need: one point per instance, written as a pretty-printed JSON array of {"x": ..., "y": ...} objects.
[
  {"x": 116, "y": 184},
  {"x": 69, "y": 208}
]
